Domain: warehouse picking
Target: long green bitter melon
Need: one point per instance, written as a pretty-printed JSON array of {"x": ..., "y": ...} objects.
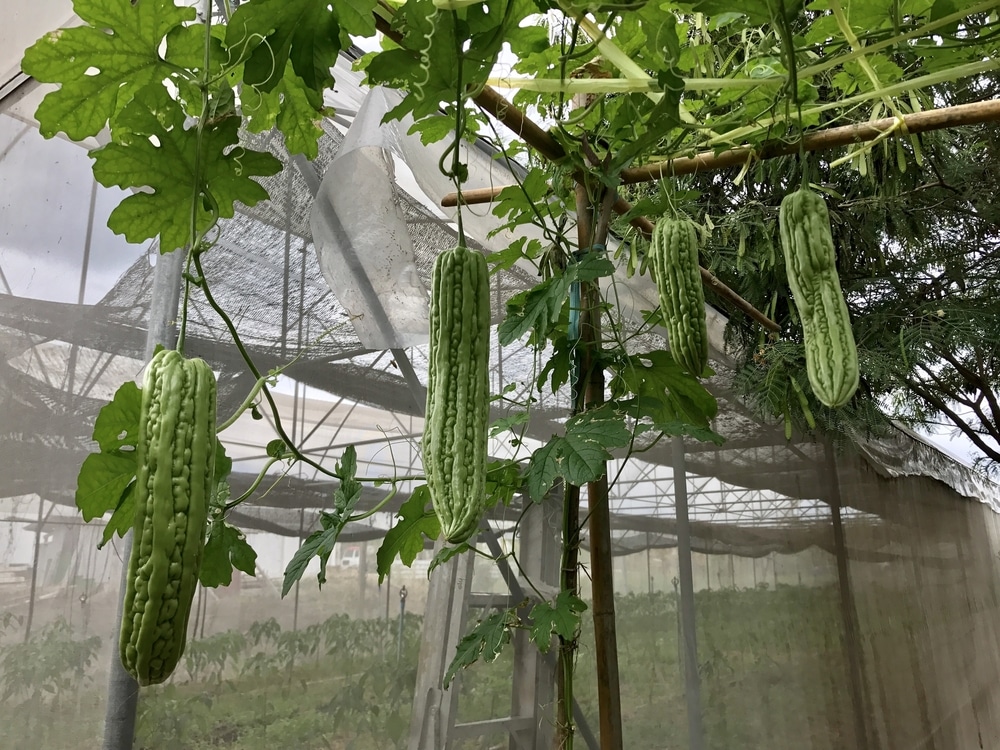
[
  {"x": 674, "y": 260},
  {"x": 811, "y": 264},
  {"x": 455, "y": 427},
  {"x": 174, "y": 484}
]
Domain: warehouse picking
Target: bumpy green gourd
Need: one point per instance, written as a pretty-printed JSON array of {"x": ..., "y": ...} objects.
[
  {"x": 174, "y": 482},
  {"x": 674, "y": 260},
  {"x": 811, "y": 262},
  {"x": 458, "y": 401}
]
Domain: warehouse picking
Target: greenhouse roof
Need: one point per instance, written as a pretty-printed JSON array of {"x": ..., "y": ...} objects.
[{"x": 62, "y": 359}]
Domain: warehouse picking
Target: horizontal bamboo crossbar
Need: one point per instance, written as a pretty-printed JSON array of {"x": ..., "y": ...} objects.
[{"x": 822, "y": 140}]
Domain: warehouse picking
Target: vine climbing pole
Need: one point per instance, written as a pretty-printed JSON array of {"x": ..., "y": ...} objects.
[
  {"x": 123, "y": 690},
  {"x": 592, "y": 232}
]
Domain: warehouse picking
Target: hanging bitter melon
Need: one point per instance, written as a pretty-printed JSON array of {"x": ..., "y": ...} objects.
[
  {"x": 811, "y": 263},
  {"x": 458, "y": 399},
  {"x": 674, "y": 260},
  {"x": 174, "y": 484}
]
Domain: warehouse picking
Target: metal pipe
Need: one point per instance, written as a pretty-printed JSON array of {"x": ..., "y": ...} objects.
[
  {"x": 692, "y": 684},
  {"x": 123, "y": 690}
]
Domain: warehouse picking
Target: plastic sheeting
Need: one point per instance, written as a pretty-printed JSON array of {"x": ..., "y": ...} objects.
[{"x": 360, "y": 234}]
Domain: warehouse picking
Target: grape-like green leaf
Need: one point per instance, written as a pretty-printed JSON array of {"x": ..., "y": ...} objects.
[
  {"x": 406, "y": 538},
  {"x": 561, "y": 618},
  {"x": 543, "y": 468},
  {"x": 268, "y": 33},
  {"x": 663, "y": 391},
  {"x": 117, "y": 422},
  {"x": 102, "y": 482},
  {"x": 226, "y": 548},
  {"x": 486, "y": 640},
  {"x": 103, "y": 64},
  {"x": 534, "y": 309},
  {"x": 589, "y": 438},
  {"x": 153, "y": 150},
  {"x": 579, "y": 456},
  {"x": 295, "y": 108}
]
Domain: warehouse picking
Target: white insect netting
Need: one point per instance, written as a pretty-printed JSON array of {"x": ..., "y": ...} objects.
[{"x": 844, "y": 600}]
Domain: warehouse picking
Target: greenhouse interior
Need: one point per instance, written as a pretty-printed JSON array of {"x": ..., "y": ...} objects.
[{"x": 763, "y": 582}]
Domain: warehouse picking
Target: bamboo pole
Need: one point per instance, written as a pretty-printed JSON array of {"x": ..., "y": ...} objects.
[
  {"x": 590, "y": 378},
  {"x": 822, "y": 140}
]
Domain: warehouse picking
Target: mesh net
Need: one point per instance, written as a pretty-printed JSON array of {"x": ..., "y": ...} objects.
[{"x": 839, "y": 600}]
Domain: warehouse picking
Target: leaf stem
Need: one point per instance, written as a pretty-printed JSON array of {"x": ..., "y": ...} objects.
[
  {"x": 231, "y": 327},
  {"x": 244, "y": 406},
  {"x": 253, "y": 485}
]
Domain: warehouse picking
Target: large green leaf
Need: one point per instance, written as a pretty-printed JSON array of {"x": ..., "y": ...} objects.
[
  {"x": 561, "y": 617},
  {"x": 102, "y": 65},
  {"x": 295, "y": 108},
  {"x": 581, "y": 454},
  {"x": 152, "y": 149},
  {"x": 226, "y": 548},
  {"x": 117, "y": 424},
  {"x": 102, "y": 482},
  {"x": 268, "y": 33},
  {"x": 405, "y": 540},
  {"x": 486, "y": 640}
]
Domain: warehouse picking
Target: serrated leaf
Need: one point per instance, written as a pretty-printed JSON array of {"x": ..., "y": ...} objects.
[
  {"x": 561, "y": 618},
  {"x": 485, "y": 641},
  {"x": 356, "y": 17},
  {"x": 293, "y": 107},
  {"x": 266, "y": 34},
  {"x": 318, "y": 544},
  {"x": 120, "y": 42},
  {"x": 504, "y": 260},
  {"x": 503, "y": 480},
  {"x": 117, "y": 423},
  {"x": 405, "y": 540},
  {"x": 589, "y": 438},
  {"x": 592, "y": 266},
  {"x": 579, "y": 456},
  {"x": 154, "y": 150},
  {"x": 535, "y": 309},
  {"x": 433, "y": 129},
  {"x": 543, "y": 468},
  {"x": 663, "y": 392},
  {"x": 123, "y": 517},
  {"x": 226, "y": 548},
  {"x": 102, "y": 482},
  {"x": 506, "y": 423},
  {"x": 445, "y": 554},
  {"x": 186, "y": 48},
  {"x": 558, "y": 367}
]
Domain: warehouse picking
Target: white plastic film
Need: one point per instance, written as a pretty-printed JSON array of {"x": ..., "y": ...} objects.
[{"x": 362, "y": 242}]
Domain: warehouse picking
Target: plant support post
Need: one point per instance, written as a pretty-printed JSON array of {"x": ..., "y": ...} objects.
[
  {"x": 123, "y": 690},
  {"x": 692, "y": 684},
  {"x": 591, "y": 235}
]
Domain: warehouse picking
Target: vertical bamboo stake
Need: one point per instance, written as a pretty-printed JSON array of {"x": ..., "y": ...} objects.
[{"x": 591, "y": 377}]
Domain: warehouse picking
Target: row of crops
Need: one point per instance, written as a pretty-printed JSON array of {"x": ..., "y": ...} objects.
[{"x": 770, "y": 661}]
